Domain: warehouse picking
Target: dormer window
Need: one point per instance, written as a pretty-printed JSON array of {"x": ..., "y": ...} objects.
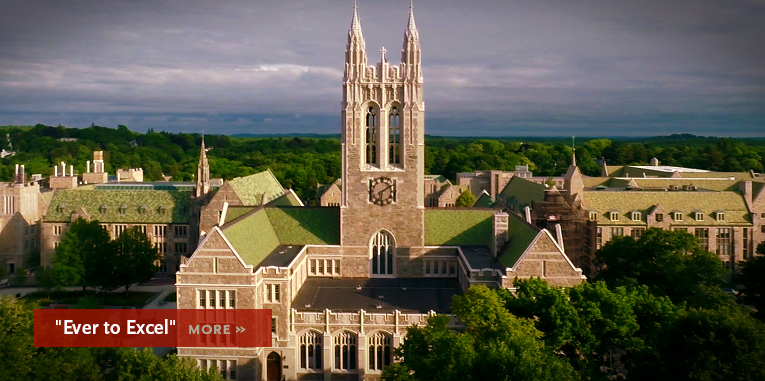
[
  {"x": 720, "y": 216},
  {"x": 635, "y": 216},
  {"x": 182, "y": 211},
  {"x": 659, "y": 217},
  {"x": 593, "y": 215},
  {"x": 61, "y": 208},
  {"x": 678, "y": 216},
  {"x": 699, "y": 216},
  {"x": 142, "y": 209},
  {"x": 162, "y": 210},
  {"x": 614, "y": 216},
  {"x": 103, "y": 209},
  {"x": 123, "y": 209}
]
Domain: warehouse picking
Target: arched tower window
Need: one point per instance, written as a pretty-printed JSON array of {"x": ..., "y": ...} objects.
[
  {"x": 371, "y": 136},
  {"x": 345, "y": 351},
  {"x": 382, "y": 253},
  {"x": 395, "y": 137},
  {"x": 379, "y": 354},
  {"x": 310, "y": 350}
]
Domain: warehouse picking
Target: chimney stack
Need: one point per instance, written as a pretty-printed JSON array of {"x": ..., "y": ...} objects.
[
  {"x": 71, "y": 170},
  {"x": 22, "y": 177},
  {"x": 88, "y": 164},
  {"x": 55, "y": 171}
]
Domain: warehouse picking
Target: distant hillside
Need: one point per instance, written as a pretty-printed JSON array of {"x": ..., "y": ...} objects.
[{"x": 296, "y": 135}]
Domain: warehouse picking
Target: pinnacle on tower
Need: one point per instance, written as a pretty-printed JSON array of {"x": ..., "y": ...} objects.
[
  {"x": 411, "y": 27},
  {"x": 203, "y": 172},
  {"x": 355, "y": 29}
]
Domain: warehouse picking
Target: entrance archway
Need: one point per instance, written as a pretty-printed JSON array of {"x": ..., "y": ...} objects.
[{"x": 274, "y": 367}]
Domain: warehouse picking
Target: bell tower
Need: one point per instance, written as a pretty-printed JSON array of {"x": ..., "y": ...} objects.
[{"x": 383, "y": 142}]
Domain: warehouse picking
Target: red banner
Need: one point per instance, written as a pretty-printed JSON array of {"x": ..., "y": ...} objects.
[{"x": 153, "y": 328}]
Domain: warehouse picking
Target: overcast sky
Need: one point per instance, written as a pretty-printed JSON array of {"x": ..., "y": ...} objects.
[{"x": 494, "y": 68}]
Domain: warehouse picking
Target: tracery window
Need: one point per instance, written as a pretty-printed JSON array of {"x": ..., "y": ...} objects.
[
  {"x": 379, "y": 353},
  {"x": 345, "y": 351},
  {"x": 371, "y": 136},
  {"x": 382, "y": 253},
  {"x": 394, "y": 139},
  {"x": 310, "y": 350}
]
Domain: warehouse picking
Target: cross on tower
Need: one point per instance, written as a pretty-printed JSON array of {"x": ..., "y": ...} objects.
[{"x": 382, "y": 54}]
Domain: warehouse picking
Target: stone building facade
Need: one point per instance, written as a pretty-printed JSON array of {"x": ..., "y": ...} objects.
[
  {"x": 344, "y": 282},
  {"x": 21, "y": 209},
  {"x": 725, "y": 211}
]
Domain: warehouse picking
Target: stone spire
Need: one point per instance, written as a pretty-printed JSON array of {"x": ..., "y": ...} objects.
[
  {"x": 355, "y": 29},
  {"x": 410, "y": 54},
  {"x": 411, "y": 27},
  {"x": 573, "y": 148},
  {"x": 203, "y": 172},
  {"x": 355, "y": 53}
]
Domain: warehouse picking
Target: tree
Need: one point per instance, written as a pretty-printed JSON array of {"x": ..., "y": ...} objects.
[
  {"x": 133, "y": 260},
  {"x": 78, "y": 257},
  {"x": 709, "y": 344},
  {"x": 134, "y": 365},
  {"x": 495, "y": 345},
  {"x": 602, "y": 332},
  {"x": 465, "y": 200},
  {"x": 670, "y": 263},
  {"x": 46, "y": 279},
  {"x": 752, "y": 279}
]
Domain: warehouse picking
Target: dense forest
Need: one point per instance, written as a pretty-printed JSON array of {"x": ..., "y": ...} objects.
[{"x": 302, "y": 163}]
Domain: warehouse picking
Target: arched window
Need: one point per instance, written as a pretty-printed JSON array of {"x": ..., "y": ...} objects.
[
  {"x": 380, "y": 354},
  {"x": 371, "y": 136},
  {"x": 345, "y": 351},
  {"x": 310, "y": 350},
  {"x": 382, "y": 252},
  {"x": 394, "y": 140}
]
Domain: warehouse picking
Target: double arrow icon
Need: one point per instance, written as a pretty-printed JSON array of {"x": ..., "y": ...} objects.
[{"x": 239, "y": 329}]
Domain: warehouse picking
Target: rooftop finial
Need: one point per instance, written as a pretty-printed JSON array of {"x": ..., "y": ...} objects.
[
  {"x": 355, "y": 24},
  {"x": 411, "y": 26}
]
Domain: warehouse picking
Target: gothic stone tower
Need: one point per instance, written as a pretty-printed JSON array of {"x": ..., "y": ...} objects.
[{"x": 383, "y": 138}]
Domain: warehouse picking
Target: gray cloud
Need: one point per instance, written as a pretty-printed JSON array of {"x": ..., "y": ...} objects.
[{"x": 590, "y": 67}]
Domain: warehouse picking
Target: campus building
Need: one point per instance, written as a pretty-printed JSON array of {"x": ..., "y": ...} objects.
[
  {"x": 724, "y": 210},
  {"x": 345, "y": 280},
  {"x": 21, "y": 209}
]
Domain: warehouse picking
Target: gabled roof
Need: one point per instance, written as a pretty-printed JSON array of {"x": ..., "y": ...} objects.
[
  {"x": 92, "y": 201},
  {"x": 523, "y": 192},
  {"x": 683, "y": 201},
  {"x": 452, "y": 227},
  {"x": 520, "y": 235},
  {"x": 323, "y": 188},
  {"x": 256, "y": 233},
  {"x": 484, "y": 201},
  {"x": 289, "y": 198},
  {"x": 251, "y": 189}
]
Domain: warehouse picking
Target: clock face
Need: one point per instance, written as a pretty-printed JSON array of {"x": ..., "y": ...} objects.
[{"x": 382, "y": 191}]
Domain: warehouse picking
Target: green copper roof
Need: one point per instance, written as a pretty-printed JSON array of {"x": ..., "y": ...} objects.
[
  {"x": 523, "y": 192},
  {"x": 289, "y": 198},
  {"x": 520, "y": 236},
  {"x": 258, "y": 233},
  {"x": 452, "y": 227},
  {"x": 144, "y": 206},
  {"x": 235, "y": 212},
  {"x": 484, "y": 201},
  {"x": 687, "y": 202},
  {"x": 250, "y": 189},
  {"x": 306, "y": 225},
  {"x": 252, "y": 237}
]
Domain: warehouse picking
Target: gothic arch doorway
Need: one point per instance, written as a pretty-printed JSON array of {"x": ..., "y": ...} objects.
[{"x": 274, "y": 367}]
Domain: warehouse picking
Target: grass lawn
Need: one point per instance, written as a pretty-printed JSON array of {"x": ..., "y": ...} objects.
[{"x": 135, "y": 299}]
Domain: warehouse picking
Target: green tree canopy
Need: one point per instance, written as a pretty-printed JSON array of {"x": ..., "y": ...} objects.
[
  {"x": 77, "y": 258},
  {"x": 670, "y": 263},
  {"x": 133, "y": 260},
  {"x": 752, "y": 278},
  {"x": 495, "y": 346},
  {"x": 465, "y": 200}
]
